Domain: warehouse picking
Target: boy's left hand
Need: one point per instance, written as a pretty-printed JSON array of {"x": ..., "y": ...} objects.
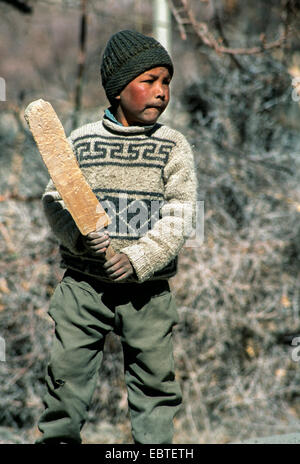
[{"x": 119, "y": 267}]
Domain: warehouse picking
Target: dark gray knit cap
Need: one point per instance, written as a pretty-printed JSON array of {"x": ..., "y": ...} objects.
[{"x": 127, "y": 55}]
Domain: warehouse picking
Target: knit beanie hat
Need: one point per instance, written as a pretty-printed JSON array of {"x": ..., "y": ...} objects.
[{"x": 127, "y": 55}]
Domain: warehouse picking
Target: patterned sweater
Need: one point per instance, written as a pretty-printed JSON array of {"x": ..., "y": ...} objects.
[{"x": 145, "y": 179}]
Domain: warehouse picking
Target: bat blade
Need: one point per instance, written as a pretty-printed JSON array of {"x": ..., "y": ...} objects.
[{"x": 63, "y": 168}]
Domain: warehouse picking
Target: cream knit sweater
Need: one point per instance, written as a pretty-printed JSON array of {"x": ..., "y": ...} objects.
[{"x": 145, "y": 179}]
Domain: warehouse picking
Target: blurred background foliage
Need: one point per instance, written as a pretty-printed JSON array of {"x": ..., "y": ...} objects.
[{"x": 235, "y": 97}]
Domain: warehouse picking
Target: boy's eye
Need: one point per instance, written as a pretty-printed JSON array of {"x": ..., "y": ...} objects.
[{"x": 150, "y": 81}]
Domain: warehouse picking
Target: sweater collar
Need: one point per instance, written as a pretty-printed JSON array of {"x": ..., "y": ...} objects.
[
  {"x": 108, "y": 113},
  {"x": 111, "y": 123}
]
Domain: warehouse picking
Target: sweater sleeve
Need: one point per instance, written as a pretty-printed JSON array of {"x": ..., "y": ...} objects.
[
  {"x": 60, "y": 220},
  {"x": 162, "y": 243}
]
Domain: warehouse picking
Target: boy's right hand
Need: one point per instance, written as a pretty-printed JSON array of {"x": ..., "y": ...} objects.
[{"x": 97, "y": 242}]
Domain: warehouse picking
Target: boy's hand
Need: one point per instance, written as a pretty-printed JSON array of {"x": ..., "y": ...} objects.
[
  {"x": 97, "y": 242},
  {"x": 119, "y": 267}
]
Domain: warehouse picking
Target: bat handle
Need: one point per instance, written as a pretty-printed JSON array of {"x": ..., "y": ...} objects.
[{"x": 110, "y": 252}]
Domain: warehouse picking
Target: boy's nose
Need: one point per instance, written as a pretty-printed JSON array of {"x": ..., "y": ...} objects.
[{"x": 160, "y": 91}]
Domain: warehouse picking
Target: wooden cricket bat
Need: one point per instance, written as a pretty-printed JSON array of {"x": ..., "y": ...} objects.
[{"x": 64, "y": 170}]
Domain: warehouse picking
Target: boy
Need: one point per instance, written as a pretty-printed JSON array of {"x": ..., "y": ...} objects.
[{"x": 131, "y": 163}]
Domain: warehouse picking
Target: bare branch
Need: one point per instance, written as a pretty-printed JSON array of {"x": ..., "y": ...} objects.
[
  {"x": 219, "y": 27},
  {"x": 179, "y": 20},
  {"x": 202, "y": 31}
]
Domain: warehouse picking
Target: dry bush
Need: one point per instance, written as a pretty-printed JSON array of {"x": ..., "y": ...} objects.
[{"x": 239, "y": 290}]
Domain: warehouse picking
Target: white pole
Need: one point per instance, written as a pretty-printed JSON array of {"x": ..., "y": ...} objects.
[
  {"x": 162, "y": 23},
  {"x": 162, "y": 31}
]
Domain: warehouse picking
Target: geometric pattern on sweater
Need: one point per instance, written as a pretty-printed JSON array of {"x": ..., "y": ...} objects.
[
  {"x": 95, "y": 150},
  {"x": 131, "y": 217}
]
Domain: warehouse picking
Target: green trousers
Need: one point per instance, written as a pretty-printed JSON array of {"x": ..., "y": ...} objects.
[{"x": 84, "y": 311}]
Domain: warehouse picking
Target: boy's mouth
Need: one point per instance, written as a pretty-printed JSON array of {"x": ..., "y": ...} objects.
[{"x": 156, "y": 107}]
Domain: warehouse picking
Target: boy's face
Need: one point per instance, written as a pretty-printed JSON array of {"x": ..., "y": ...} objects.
[{"x": 143, "y": 100}]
